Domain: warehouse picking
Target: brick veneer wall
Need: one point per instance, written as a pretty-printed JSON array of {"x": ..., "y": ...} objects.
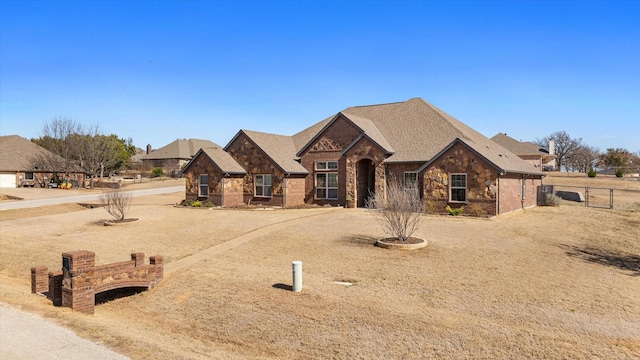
[
  {"x": 398, "y": 170},
  {"x": 78, "y": 282},
  {"x": 328, "y": 147},
  {"x": 511, "y": 192},
  {"x": 482, "y": 181},
  {"x": 295, "y": 191}
]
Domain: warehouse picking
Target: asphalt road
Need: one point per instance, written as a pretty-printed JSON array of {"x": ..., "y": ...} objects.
[
  {"x": 27, "y": 336},
  {"x": 23, "y": 204}
]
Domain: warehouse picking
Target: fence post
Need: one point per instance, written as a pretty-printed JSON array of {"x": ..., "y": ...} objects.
[
  {"x": 586, "y": 194},
  {"x": 611, "y": 198}
]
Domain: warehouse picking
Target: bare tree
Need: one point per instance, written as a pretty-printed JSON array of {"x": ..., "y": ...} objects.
[
  {"x": 57, "y": 137},
  {"x": 81, "y": 148},
  {"x": 583, "y": 158},
  {"x": 116, "y": 202},
  {"x": 400, "y": 212},
  {"x": 97, "y": 152},
  {"x": 565, "y": 147}
]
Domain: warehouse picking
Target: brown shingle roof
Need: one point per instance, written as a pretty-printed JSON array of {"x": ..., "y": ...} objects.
[
  {"x": 417, "y": 131},
  {"x": 517, "y": 147},
  {"x": 280, "y": 148},
  {"x": 304, "y": 137},
  {"x": 179, "y": 149},
  {"x": 222, "y": 159},
  {"x": 19, "y": 154}
]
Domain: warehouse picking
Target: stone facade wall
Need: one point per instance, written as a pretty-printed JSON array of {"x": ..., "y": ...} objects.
[
  {"x": 256, "y": 162},
  {"x": 365, "y": 149},
  {"x": 233, "y": 190},
  {"x": 233, "y": 185},
  {"x": 80, "y": 279},
  {"x": 328, "y": 147},
  {"x": 482, "y": 182}
]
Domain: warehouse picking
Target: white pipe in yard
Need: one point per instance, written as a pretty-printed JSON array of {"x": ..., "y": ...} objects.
[{"x": 297, "y": 275}]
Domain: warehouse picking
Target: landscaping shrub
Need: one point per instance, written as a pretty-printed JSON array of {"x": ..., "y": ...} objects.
[
  {"x": 196, "y": 203},
  {"x": 619, "y": 172},
  {"x": 454, "y": 212},
  {"x": 477, "y": 210},
  {"x": 430, "y": 207},
  {"x": 116, "y": 202},
  {"x": 156, "y": 172},
  {"x": 188, "y": 202},
  {"x": 591, "y": 173},
  {"x": 399, "y": 213},
  {"x": 552, "y": 200}
]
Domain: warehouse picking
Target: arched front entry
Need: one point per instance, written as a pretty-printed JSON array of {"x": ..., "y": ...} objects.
[{"x": 365, "y": 180}]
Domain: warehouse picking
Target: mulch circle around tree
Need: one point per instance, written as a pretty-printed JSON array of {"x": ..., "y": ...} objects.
[
  {"x": 120, "y": 222},
  {"x": 412, "y": 243}
]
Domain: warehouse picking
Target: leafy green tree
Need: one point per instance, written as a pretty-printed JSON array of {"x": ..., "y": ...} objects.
[{"x": 617, "y": 157}]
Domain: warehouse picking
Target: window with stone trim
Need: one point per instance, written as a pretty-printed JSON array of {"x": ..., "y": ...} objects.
[
  {"x": 28, "y": 176},
  {"x": 203, "y": 185},
  {"x": 262, "y": 186},
  {"x": 458, "y": 188}
]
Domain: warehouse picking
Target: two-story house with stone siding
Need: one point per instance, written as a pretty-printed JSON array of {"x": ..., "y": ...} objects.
[{"x": 357, "y": 151}]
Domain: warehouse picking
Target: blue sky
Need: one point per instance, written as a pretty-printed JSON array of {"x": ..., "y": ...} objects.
[{"x": 156, "y": 71}]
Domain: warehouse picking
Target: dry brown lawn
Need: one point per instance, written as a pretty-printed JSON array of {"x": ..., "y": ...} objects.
[{"x": 542, "y": 283}]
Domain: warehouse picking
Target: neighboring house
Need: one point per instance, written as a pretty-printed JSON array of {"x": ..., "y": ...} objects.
[
  {"x": 358, "y": 150},
  {"x": 539, "y": 157},
  {"x": 172, "y": 157},
  {"x": 20, "y": 167},
  {"x": 135, "y": 161}
]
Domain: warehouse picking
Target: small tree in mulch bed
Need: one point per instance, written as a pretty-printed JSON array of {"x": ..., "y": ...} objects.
[
  {"x": 116, "y": 202},
  {"x": 400, "y": 212}
]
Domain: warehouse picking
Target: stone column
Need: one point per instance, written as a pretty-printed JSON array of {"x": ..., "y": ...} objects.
[
  {"x": 77, "y": 288},
  {"x": 39, "y": 279},
  {"x": 158, "y": 262}
]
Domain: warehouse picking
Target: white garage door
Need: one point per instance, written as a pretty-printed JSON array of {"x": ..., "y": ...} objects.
[{"x": 7, "y": 180}]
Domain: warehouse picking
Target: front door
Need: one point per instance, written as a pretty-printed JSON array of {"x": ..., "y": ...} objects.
[{"x": 366, "y": 180}]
